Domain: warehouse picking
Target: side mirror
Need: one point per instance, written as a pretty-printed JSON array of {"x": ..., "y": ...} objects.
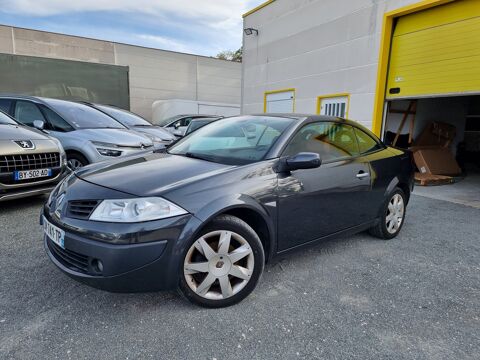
[
  {"x": 39, "y": 124},
  {"x": 303, "y": 160}
]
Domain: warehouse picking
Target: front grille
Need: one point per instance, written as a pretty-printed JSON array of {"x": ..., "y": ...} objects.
[
  {"x": 11, "y": 163},
  {"x": 68, "y": 258},
  {"x": 81, "y": 209}
]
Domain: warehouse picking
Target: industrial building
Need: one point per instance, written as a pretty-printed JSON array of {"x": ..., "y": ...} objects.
[
  {"x": 70, "y": 67},
  {"x": 396, "y": 66}
]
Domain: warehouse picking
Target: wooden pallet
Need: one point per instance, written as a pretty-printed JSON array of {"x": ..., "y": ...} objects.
[{"x": 429, "y": 179}]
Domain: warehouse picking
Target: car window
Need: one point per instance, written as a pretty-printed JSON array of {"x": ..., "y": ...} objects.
[
  {"x": 5, "y": 105},
  {"x": 27, "y": 112},
  {"x": 55, "y": 121},
  {"x": 234, "y": 141},
  {"x": 332, "y": 141},
  {"x": 366, "y": 143}
]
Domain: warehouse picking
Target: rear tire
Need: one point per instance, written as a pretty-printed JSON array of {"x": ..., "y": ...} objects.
[
  {"x": 76, "y": 161},
  {"x": 222, "y": 265},
  {"x": 392, "y": 216}
]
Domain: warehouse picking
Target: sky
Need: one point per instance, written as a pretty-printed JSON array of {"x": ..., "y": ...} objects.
[{"x": 203, "y": 27}]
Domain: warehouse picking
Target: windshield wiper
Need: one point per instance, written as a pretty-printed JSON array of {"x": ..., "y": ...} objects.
[{"x": 200, "y": 157}]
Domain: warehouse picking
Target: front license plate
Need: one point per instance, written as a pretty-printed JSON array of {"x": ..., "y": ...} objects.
[
  {"x": 54, "y": 233},
  {"x": 32, "y": 174}
]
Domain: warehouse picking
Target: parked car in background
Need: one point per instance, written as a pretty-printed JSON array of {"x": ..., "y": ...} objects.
[
  {"x": 196, "y": 124},
  {"x": 178, "y": 124},
  {"x": 159, "y": 136},
  {"x": 31, "y": 163},
  {"x": 86, "y": 134},
  {"x": 208, "y": 213}
]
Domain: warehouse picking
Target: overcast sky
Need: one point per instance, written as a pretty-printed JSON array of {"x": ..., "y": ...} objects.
[{"x": 203, "y": 27}]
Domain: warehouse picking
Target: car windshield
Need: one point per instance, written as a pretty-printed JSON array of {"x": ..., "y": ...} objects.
[
  {"x": 233, "y": 141},
  {"x": 82, "y": 116},
  {"x": 5, "y": 120},
  {"x": 125, "y": 117}
]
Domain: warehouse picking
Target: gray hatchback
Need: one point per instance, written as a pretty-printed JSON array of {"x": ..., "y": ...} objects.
[{"x": 87, "y": 135}]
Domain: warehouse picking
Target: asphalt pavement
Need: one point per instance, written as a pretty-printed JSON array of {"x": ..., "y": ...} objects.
[{"x": 414, "y": 297}]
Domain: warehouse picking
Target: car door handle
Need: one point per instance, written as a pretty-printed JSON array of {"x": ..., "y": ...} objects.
[{"x": 362, "y": 175}]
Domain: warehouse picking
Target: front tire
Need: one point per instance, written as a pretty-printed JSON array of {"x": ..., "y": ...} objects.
[
  {"x": 223, "y": 264},
  {"x": 76, "y": 161},
  {"x": 392, "y": 216}
]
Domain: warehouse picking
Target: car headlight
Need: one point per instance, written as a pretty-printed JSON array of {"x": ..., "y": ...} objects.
[
  {"x": 107, "y": 149},
  {"x": 135, "y": 210}
]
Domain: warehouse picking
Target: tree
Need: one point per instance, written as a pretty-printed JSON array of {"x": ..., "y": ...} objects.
[{"x": 231, "y": 55}]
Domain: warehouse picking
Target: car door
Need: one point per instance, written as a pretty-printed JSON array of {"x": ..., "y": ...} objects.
[{"x": 314, "y": 203}]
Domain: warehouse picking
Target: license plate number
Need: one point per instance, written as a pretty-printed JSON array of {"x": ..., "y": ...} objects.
[
  {"x": 32, "y": 174},
  {"x": 54, "y": 233}
]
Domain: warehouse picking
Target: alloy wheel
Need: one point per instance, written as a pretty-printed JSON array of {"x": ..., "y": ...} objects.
[
  {"x": 74, "y": 164},
  {"x": 218, "y": 265},
  {"x": 395, "y": 213}
]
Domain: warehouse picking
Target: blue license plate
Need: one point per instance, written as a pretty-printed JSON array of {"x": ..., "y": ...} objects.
[{"x": 32, "y": 174}]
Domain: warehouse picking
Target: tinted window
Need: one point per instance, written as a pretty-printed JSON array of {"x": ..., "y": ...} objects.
[
  {"x": 125, "y": 117},
  {"x": 235, "y": 141},
  {"x": 27, "y": 112},
  {"x": 332, "y": 141},
  {"x": 5, "y": 105},
  {"x": 366, "y": 143},
  {"x": 82, "y": 116},
  {"x": 55, "y": 122}
]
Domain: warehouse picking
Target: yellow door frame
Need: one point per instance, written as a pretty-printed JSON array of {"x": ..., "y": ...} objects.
[
  {"x": 384, "y": 55},
  {"x": 329, "y": 96},
  {"x": 277, "y": 92}
]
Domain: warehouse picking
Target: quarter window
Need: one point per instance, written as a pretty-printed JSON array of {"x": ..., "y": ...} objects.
[
  {"x": 332, "y": 141},
  {"x": 366, "y": 143},
  {"x": 55, "y": 121},
  {"x": 27, "y": 112},
  {"x": 5, "y": 105}
]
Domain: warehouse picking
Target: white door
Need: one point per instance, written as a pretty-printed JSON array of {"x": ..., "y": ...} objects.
[
  {"x": 334, "y": 106},
  {"x": 280, "y": 102}
]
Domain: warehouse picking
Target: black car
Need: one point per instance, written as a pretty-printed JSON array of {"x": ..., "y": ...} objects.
[{"x": 206, "y": 215}]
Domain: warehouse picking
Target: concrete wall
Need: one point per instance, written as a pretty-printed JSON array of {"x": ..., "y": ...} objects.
[
  {"x": 318, "y": 47},
  {"x": 153, "y": 74}
]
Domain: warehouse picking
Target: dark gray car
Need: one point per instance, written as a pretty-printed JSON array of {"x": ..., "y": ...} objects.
[{"x": 206, "y": 215}]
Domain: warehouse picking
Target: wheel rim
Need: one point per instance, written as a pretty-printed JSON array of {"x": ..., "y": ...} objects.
[
  {"x": 395, "y": 213},
  {"x": 218, "y": 265},
  {"x": 75, "y": 164}
]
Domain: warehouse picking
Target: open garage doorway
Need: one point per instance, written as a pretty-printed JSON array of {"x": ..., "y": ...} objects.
[{"x": 444, "y": 134}]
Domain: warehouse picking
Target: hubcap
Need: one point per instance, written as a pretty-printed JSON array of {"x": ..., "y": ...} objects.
[
  {"x": 218, "y": 265},
  {"x": 75, "y": 164},
  {"x": 395, "y": 213}
]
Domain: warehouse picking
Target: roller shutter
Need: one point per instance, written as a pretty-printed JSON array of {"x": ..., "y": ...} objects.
[{"x": 436, "y": 52}]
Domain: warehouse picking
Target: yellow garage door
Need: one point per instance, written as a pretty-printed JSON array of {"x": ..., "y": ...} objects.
[{"x": 436, "y": 52}]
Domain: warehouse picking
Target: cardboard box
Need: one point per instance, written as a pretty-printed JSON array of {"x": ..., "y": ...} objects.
[
  {"x": 436, "y": 134},
  {"x": 435, "y": 160},
  {"x": 430, "y": 180}
]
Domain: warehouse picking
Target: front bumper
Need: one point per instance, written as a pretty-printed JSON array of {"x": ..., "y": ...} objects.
[{"x": 125, "y": 267}]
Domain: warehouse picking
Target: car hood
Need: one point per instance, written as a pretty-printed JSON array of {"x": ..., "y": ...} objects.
[
  {"x": 9, "y": 132},
  {"x": 150, "y": 175},
  {"x": 155, "y": 131},
  {"x": 121, "y": 137}
]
